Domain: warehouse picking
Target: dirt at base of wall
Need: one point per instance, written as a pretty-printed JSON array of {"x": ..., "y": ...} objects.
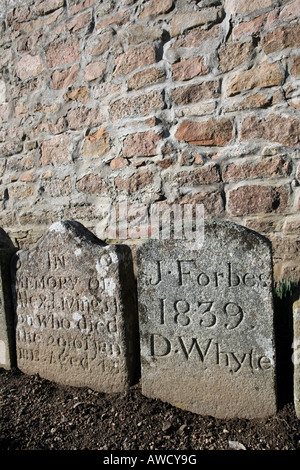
[{"x": 36, "y": 414}]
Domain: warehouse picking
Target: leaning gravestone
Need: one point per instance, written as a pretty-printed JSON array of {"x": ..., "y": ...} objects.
[
  {"x": 296, "y": 356},
  {"x": 206, "y": 322},
  {"x": 76, "y": 310},
  {"x": 7, "y": 336}
]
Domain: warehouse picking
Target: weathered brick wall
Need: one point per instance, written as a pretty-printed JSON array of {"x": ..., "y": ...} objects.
[{"x": 180, "y": 101}]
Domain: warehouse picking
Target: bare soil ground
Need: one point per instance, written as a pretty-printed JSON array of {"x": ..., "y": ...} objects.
[{"x": 36, "y": 414}]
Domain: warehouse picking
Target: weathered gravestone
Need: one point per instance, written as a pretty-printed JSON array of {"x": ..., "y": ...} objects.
[
  {"x": 206, "y": 323},
  {"x": 296, "y": 356},
  {"x": 7, "y": 336},
  {"x": 76, "y": 310}
]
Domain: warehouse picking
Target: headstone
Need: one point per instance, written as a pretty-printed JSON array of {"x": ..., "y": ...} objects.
[
  {"x": 7, "y": 337},
  {"x": 75, "y": 303},
  {"x": 296, "y": 356},
  {"x": 206, "y": 322}
]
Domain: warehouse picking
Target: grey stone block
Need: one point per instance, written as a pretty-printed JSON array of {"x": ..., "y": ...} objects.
[
  {"x": 206, "y": 323},
  {"x": 75, "y": 305}
]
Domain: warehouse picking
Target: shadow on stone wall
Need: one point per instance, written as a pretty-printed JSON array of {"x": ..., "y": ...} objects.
[{"x": 7, "y": 334}]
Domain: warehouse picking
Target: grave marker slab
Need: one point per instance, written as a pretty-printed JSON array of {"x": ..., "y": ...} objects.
[
  {"x": 7, "y": 337},
  {"x": 76, "y": 310},
  {"x": 296, "y": 356},
  {"x": 206, "y": 323}
]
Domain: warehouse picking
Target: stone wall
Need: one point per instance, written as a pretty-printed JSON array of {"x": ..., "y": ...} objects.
[{"x": 149, "y": 101}]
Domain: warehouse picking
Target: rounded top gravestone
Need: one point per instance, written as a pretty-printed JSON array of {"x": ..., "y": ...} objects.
[
  {"x": 206, "y": 322},
  {"x": 75, "y": 308}
]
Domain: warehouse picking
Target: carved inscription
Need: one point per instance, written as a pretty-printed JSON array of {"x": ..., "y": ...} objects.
[
  {"x": 208, "y": 353},
  {"x": 203, "y": 313},
  {"x": 69, "y": 316},
  {"x": 186, "y": 270},
  {"x": 70, "y": 310},
  {"x": 206, "y": 322}
]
